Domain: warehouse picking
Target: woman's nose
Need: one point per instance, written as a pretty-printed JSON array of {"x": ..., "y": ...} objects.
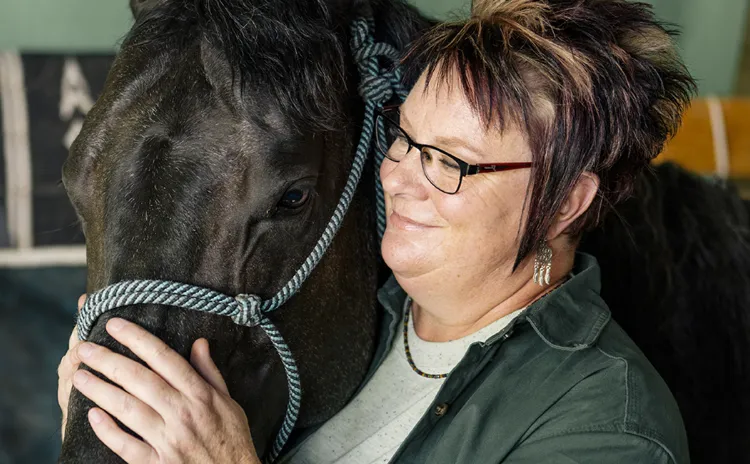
[{"x": 403, "y": 176}]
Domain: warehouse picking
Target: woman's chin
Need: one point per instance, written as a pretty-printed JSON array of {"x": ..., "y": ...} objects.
[{"x": 404, "y": 257}]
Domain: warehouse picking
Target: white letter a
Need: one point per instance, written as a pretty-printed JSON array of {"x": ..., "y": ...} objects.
[{"x": 74, "y": 91}]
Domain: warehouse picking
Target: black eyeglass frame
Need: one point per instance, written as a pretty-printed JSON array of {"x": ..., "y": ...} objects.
[{"x": 465, "y": 168}]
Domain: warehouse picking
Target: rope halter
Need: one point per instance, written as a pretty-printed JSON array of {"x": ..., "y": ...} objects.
[{"x": 376, "y": 88}]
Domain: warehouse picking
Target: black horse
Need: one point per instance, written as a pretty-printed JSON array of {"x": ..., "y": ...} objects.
[
  {"x": 675, "y": 264},
  {"x": 215, "y": 156},
  {"x": 217, "y": 152}
]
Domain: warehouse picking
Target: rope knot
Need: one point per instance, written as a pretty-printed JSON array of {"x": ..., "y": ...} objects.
[
  {"x": 248, "y": 311},
  {"x": 376, "y": 89},
  {"x": 377, "y": 84}
]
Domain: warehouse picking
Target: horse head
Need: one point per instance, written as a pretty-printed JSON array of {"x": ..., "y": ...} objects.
[{"x": 215, "y": 157}]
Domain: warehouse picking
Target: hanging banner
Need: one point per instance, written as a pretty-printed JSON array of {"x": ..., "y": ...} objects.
[{"x": 44, "y": 100}]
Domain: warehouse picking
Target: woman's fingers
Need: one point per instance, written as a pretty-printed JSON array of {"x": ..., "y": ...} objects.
[
  {"x": 73, "y": 341},
  {"x": 65, "y": 370},
  {"x": 70, "y": 361},
  {"x": 129, "y": 448},
  {"x": 68, "y": 365},
  {"x": 200, "y": 358},
  {"x": 177, "y": 414},
  {"x": 131, "y": 411},
  {"x": 159, "y": 356},
  {"x": 135, "y": 378}
]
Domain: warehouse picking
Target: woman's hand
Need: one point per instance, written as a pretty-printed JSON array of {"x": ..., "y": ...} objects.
[
  {"x": 183, "y": 413},
  {"x": 68, "y": 366}
]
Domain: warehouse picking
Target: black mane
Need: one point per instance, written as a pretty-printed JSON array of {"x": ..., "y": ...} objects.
[
  {"x": 295, "y": 51},
  {"x": 301, "y": 63}
]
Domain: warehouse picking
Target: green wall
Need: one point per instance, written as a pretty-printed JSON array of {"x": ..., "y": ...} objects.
[
  {"x": 711, "y": 42},
  {"x": 713, "y": 33},
  {"x": 63, "y": 25},
  {"x": 97, "y": 25},
  {"x": 442, "y": 8}
]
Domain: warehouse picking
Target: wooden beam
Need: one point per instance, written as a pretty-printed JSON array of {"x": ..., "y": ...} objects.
[{"x": 693, "y": 146}]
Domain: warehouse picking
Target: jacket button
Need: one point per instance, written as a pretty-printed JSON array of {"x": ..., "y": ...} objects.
[{"x": 441, "y": 409}]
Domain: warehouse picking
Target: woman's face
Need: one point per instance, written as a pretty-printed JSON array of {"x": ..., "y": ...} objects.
[{"x": 474, "y": 233}]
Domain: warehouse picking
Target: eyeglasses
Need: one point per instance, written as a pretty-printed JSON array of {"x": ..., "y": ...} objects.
[{"x": 443, "y": 170}]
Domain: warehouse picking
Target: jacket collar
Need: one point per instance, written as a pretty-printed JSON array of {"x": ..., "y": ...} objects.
[{"x": 571, "y": 317}]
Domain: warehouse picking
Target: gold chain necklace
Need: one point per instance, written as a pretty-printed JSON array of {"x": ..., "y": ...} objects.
[{"x": 408, "y": 353}]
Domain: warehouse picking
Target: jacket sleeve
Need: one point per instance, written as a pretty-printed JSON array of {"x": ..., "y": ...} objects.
[{"x": 591, "y": 448}]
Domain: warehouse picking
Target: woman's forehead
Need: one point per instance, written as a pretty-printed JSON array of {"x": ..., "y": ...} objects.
[{"x": 440, "y": 114}]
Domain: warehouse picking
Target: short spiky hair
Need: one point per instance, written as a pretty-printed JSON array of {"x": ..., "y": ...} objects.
[{"x": 596, "y": 85}]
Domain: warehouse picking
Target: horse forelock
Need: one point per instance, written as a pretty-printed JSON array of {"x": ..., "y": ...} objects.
[{"x": 293, "y": 51}]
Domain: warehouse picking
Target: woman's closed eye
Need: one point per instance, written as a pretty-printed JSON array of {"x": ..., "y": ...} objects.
[{"x": 448, "y": 163}]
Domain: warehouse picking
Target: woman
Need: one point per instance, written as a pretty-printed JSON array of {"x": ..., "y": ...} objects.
[{"x": 526, "y": 123}]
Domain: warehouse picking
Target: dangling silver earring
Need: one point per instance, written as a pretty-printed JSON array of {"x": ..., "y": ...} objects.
[{"x": 542, "y": 264}]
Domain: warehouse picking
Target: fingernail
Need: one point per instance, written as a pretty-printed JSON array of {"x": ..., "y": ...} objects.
[
  {"x": 115, "y": 324},
  {"x": 80, "y": 377},
  {"x": 95, "y": 416},
  {"x": 85, "y": 350}
]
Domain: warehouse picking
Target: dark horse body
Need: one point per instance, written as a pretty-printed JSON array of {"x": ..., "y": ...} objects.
[
  {"x": 675, "y": 264},
  {"x": 215, "y": 156}
]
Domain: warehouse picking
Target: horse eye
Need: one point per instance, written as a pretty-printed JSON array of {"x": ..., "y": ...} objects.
[{"x": 294, "y": 198}]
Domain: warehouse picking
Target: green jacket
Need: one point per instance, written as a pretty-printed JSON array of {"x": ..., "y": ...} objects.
[{"x": 562, "y": 384}]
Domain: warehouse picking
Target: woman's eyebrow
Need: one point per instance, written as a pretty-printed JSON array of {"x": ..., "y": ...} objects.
[
  {"x": 458, "y": 142},
  {"x": 442, "y": 141}
]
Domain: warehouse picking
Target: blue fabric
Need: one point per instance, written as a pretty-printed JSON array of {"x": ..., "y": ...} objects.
[{"x": 37, "y": 310}]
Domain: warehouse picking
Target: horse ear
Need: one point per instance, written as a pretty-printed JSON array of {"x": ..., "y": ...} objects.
[{"x": 139, "y": 6}]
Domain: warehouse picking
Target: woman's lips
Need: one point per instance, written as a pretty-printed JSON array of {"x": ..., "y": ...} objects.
[{"x": 405, "y": 223}]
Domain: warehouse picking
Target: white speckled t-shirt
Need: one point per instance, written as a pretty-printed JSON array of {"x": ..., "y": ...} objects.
[{"x": 375, "y": 423}]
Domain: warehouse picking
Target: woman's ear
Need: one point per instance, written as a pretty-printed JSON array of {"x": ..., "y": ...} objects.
[
  {"x": 578, "y": 201},
  {"x": 137, "y": 7}
]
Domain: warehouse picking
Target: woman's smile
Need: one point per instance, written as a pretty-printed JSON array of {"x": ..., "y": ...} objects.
[{"x": 406, "y": 223}]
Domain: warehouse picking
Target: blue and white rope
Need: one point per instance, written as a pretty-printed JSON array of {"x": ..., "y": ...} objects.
[
  {"x": 377, "y": 87},
  {"x": 244, "y": 310}
]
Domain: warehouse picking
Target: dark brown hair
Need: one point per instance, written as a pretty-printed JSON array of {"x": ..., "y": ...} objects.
[{"x": 596, "y": 85}]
